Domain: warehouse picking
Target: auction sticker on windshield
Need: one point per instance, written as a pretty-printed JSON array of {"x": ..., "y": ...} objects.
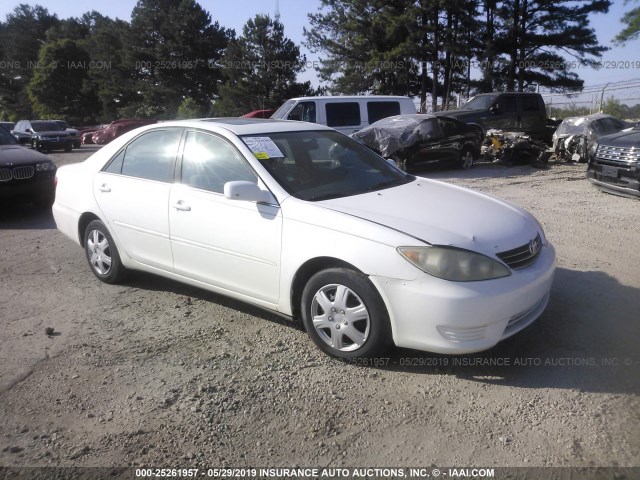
[{"x": 263, "y": 147}]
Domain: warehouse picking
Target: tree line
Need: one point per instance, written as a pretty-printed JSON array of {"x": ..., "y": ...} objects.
[{"x": 173, "y": 60}]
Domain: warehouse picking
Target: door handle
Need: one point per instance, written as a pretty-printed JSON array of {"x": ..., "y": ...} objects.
[
  {"x": 181, "y": 206},
  {"x": 104, "y": 188}
]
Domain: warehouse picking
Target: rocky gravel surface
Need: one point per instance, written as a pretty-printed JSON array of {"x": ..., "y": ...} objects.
[{"x": 155, "y": 373}]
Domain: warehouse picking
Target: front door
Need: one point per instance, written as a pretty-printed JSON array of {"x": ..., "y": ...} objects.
[{"x": 230, "y": 244}]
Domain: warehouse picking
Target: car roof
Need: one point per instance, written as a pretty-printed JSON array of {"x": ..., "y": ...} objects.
[
  {"x": 247, "y": 126},
  {"x": 354, "y": 97}
]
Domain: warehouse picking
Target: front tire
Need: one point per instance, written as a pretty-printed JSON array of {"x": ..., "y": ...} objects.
[
  {"x": 344, "y": 314},
  {"x": 34, "y": 145},
  {"x": 102, "y": 253}
]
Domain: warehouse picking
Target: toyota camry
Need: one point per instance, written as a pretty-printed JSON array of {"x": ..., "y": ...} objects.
[{"x": 302, "y": 220}]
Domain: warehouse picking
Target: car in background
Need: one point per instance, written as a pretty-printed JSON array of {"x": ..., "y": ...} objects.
[
  {"x": 421, "y": 139},
  {"x": 614, "y": 166},
  {"x": 42, "y": 135},
  {"x": 576, "y": 137},
  {"x": 25, "y": 174},
  {"x": 260, "y": 113},
  {"x": 73, "y": 133},
  {"x": 347, "y": 114},
  {"x": 302, "y": 220},
  {"x": 8, "y": 126},
  {"x": 117, "y": 128},
  {"x": 521, "y": 112}
]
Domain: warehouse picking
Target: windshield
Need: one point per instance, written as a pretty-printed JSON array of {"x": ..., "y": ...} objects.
[
  {"x": 62, "y": 124},
  {"x": 45, "y": 127},
  {"x": 318, "y": 165},
  {"x": 481, "y": 102},
  {"x": 284, "y": 108},
  {"x": 6, "y": 138}
]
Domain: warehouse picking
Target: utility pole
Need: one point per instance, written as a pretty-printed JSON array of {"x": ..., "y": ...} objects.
[{"x": 277, "y": 10}]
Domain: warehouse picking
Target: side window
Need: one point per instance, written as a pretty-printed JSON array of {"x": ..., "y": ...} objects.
[
  {"x": 343, "y": 114},
  {"x": 151, "y": 155},
  {"x": 115, "y": 165},
  {"x": 304, "y": 111},
  {"x": 209, "y": 162},
  {"x": 449, "y": 128},
  {"x": 530, "y": 104},
  {"x": 507, "y": 104},
  {"x": 379, "y": 110}
]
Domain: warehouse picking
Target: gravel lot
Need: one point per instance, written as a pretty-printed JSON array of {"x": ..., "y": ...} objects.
[{"x": 159, "y": 374}]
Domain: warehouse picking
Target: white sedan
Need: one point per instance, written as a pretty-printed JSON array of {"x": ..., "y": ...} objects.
[{"x": 302, "y": 220}]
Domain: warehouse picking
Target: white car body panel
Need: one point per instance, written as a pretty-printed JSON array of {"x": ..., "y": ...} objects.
[
  {"x": 237, "y": 249},
  {"x": 140, "y": 221},
  {"x": 252, "y": 251}
]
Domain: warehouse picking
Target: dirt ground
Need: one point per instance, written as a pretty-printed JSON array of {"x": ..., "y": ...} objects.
[{"x": 159, "y": 374}]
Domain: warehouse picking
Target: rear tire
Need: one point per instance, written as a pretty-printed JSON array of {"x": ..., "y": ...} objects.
[
  {"x": 466, "y": 158},
  {"x": 102, "y": 253},
  {"x": 344, "y": 314}
]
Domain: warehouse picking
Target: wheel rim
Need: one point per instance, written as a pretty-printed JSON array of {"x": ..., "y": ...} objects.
[
  {"x": 100, "y": 252},
  {"x": 467, "y": 160},
  {"x": 340, "y": 318}
]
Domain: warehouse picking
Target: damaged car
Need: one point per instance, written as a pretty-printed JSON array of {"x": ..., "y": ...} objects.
[
  {"x": 418, "y": 140},
  {"x": 575, "y": 138},
  {"x": 510, "y": 148}
]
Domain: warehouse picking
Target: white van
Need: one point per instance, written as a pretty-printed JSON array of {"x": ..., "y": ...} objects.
[{"x": 346, "y": 114}]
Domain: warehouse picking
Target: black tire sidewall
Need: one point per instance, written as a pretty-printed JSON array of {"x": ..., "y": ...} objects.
[
  {"x": 117, "y": 269},
  {"x": 379, "y": 338}
]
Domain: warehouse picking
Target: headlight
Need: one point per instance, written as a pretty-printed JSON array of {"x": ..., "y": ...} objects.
[
  {"x": 45, "y": 167},
  {"x": 454, "y": 264}
]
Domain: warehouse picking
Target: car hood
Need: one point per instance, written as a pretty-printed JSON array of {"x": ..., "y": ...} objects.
[
  {"x": 11, "y": 155},
  {"x": 629, "y": 138},
  {"x": 442, "y": 214}
]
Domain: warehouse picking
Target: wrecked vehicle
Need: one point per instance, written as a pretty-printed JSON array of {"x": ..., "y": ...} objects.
[
  {"x": 509, "y": 148},
  {"x": 416, "y": 140},
  {"x": 575, "y": 138},
  {"x": 117, "y": 128}
]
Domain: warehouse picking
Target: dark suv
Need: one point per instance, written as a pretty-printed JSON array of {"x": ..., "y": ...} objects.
[
  {"x": 42, "y": 135},
  {"x": 615, "y": 165},
  {"x": 510, "y": 111}
]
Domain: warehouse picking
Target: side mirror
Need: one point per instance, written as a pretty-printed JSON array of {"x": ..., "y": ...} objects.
[
  {"x": 29, "y": 130},
  {"x": 247, "y": 191},
  {"x": 494, "y": 109}
]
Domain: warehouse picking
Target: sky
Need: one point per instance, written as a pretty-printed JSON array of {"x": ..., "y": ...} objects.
[{"x": 620, "y": 60}]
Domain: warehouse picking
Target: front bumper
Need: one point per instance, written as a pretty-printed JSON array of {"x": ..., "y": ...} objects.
[
  {"x": 40, "y": 186},
  {"x": 626, "y": 186},
  {"x": 52, "y": 144},
  {"x": 464, "y": 317}
]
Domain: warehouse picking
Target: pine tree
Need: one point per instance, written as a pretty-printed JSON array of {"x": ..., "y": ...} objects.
[{"x": 260, "y": 69}]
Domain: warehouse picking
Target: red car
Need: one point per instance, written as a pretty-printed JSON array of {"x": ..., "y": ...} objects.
[
  {"x": 260, "y": 113},
  {"x": 117, "y": 128}
]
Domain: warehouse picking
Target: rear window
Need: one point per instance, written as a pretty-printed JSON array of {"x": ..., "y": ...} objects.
[
  {"x": 343, "y": 114},
  {"x": 379, "y": 110}
]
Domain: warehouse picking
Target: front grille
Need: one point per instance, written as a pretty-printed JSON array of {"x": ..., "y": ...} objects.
[
  {"x": 523, "y": 256},
  {"x": 618, "y": 155},
  {"x": 20, "y": 173},
  {"x": 5, "y": 174}
]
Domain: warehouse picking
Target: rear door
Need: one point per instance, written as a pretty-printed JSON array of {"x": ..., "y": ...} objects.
[
  {"x": 533, "y": 116},
  {"x": 133, "y": 193}
]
